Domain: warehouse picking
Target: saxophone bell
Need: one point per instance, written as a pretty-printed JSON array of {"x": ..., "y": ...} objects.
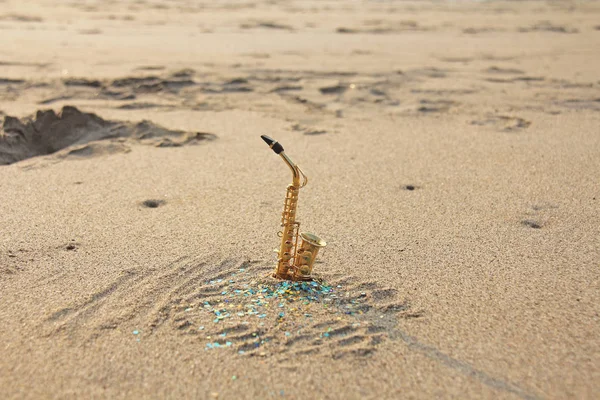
[{"x": 306, "y": 256}]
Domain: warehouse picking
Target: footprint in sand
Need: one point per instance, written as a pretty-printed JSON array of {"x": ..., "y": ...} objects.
[
  {"x": 547, "y": 26},
  {"x": 503, "y": 123}
]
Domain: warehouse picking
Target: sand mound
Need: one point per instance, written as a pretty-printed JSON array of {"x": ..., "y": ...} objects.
[{"x": 48, "y": 132}]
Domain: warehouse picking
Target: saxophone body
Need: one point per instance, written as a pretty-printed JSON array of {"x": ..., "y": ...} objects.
[{"x": 297, "y": 251}]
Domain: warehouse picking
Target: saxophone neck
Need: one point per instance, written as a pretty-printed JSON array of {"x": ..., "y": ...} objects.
[
  {"x": 294, "y": 168},
  {"x": 296, "y": 171}
]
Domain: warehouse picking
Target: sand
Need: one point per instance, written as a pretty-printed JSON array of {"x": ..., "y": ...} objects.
[{"x": 453, "y": 156}]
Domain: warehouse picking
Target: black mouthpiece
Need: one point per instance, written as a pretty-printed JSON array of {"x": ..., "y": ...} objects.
[{"x": 277, "y": 148}]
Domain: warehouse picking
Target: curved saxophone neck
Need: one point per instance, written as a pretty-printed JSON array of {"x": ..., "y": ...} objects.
[
  {"x": 294, "y": 168},
  {"x": 296, "y": 171}
]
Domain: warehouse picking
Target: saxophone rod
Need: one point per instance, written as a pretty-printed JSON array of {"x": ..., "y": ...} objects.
[{"x": 278, "y": 149}]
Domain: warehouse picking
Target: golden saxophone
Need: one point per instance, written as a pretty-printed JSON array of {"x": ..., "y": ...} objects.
[{"x": 295, "y": 261}]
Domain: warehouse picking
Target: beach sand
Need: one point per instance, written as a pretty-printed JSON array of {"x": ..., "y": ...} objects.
[{"x": 453, "y": 156}]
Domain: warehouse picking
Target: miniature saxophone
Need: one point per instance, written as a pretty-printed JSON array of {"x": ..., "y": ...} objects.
[{"x": 295, "y": 260}]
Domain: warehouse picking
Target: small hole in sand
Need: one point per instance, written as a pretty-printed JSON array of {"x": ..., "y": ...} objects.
[
  {"x": 153, "y": 203},
  {"x": 409, "y": 187}
]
